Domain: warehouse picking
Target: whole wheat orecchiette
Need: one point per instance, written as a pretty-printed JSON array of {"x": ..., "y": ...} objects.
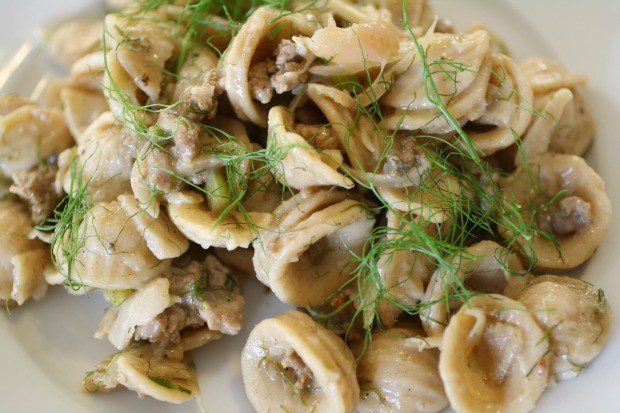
[
  {"x": 575, "y": 211},
  {"x": 292, "y": 363},
  {"x": 494, "y": 357},
  {"x": 306, "y": 254},
  {"x": 574, "y": 313},
  {"x": 395, "y": 377}
]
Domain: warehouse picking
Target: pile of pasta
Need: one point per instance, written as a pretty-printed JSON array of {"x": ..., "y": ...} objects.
[{"x": 413, "y": 191}]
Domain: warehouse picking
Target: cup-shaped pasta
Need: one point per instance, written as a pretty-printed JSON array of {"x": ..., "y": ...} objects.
[
  {"x": 96, "y": 162},
  {"x": 299, "y": 164},
  {"x": 73, "y": 40},
  {"x": 433, "y": 198},
  {"x": 537, "y": 139},
  {"x": 141, "y": 308},
  {"x": 22, "y": 260},
  {"x": 81, "y": 107},
  {"x": 396, "y": 377},
  {"x": 567, "y": 201},
  {"x": 575, "y": 129},
  {"x": 292, "y": 363},
  {"x": 193, "y": 217},
  {"x": 246, "y": 73},
  {"x": 403, "y": 272},
  {"x": 120, "y": 90},
  {"x": 8, "y": 103},
  {"x": 29, "y": 135},
  {"x": 161, "y": 236},
  {"x": 509, "y": 106},
  {"x": 566, "y": 125},
  {"x": 104, "y": 247},
  {"x": 307, "y": 253},
  {"x": 546, "y": 75},
  {"x": 142, "y": 47},
  {"x": 144, "y": 370},
  {"x": 461, "y": 83},
  {"x": 354, "y": 49},
  {"x": 494, "y": 357},
  {"x": 358, "y": 134},
  {"x": 575, "y": 316},
  {"x": 484, "y": 267}
]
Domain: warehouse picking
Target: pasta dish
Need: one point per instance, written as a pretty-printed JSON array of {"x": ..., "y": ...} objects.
[{"x": 415, "y": 193}]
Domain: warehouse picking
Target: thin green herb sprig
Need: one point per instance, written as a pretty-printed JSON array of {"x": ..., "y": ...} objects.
[
  {"x": 478, "y": 210},
  {"x": 66, "y": 226}
]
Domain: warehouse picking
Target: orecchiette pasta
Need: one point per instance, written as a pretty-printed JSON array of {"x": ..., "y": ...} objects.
[
  {"x": 306, "y": 254},
  {"x": 494, "y": 357},
  {"x": 142, "y": 370},
  {"x": 30, "y": 134},
  {"x": 394, "y": 377},
  {"x": 575, "y": 216},
  {"x": 466, "y": 97},
  {"x": 108, "y": 250},
  {"x": 23, "y": 260},
  {"x": 483, "y": 267},
  {"x": 97, "y": 162},
  {"x": 302, "y": 165},
  {"x": 575, "y": 316},
  {"x": 293, "y": 362}
]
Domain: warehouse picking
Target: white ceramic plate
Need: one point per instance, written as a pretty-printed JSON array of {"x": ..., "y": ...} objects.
[{"x": 46, "y": 347}]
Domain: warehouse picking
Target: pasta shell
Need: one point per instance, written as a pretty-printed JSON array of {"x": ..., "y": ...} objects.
[
  {"x": 241, "y": 54},
  {"x": 545, "y": 75},
  {"x": 403, "y": 273},
  {"x": 81, "y": 108},
  {"x": 306, "y": 254},
  {"x": 142, "y": 47},
  {"x": 483, "y": 267},
  {"x": 143, "y": 371},
  {"x": 537, "y": 139},
  {"x": 139, "y": 309},
  {"x": 96, "y": 162},
  {"x": 107, "y": 251},
  {"x": 8, "y": 103},
  {"x": 161, "y": 236},
  {"x": 73, "y": 40},
  {"x": 23, "y": 261},
  {"x": 509, "y": 106},
  {"x": 29, "y": 135},
  {"x": 292, "y": 363},
  {"x": 302, "y": 165},
  {"x": 566, "y": 125},
  {"x": 578, "y": 218},
  {"x": 494, "y": 357},
  {"x": 191, "y": 215},
  {"x": 464, "y": 96},
  {"x": 394, "y": 377},
  {"x": 353, "y": 49},
  {"x": 575, "y": 316}
]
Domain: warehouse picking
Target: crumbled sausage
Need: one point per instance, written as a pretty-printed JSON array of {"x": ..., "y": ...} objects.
[
  {"x": 167, "y": 326},
  {"x": 290, "y": 65},
  {"x": 320, "y": 136},
  {"x": 202, "y": 97},
  {"x": 184, "y": 132},
  {"x": 259, "y": 81},
  {"x": 301, "y": 374},
  {"x": 38, "y": 190},
  {"x": 572, "y": 214}
]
